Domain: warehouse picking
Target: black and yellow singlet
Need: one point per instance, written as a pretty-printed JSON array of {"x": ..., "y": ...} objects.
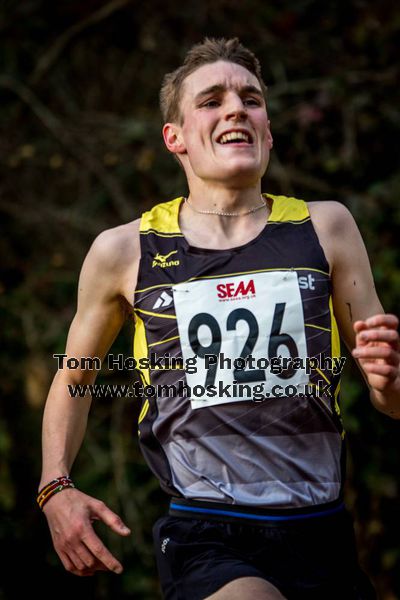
[{"x": 239, "y": 432}]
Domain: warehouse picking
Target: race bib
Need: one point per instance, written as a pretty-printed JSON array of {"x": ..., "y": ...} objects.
[{"x": 258, "y": 316}]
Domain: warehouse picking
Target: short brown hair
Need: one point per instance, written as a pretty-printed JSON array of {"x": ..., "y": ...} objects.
[{"x": 209, "y": 51}]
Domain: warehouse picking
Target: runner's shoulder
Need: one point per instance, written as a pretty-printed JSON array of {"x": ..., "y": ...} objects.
[
  {"x": 330, "y": 216},
  {"x": 116, "y": 248}
]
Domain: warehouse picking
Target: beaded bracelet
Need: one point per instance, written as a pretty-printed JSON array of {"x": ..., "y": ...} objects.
[{"x": 53, "y": 487}]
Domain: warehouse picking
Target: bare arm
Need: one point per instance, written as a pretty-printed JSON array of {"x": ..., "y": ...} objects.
[
  {"x": 369, "y": 333},
  {"x": 107, "y": 275}
]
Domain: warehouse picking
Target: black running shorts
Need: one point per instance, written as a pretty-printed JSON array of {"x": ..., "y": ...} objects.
[{"x": 306, "y": 559}]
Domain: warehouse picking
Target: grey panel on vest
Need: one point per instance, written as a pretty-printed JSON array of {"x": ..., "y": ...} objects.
[{"x": 279, "y": 471}]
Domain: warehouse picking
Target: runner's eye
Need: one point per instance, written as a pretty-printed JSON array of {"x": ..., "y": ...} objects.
[
  {"x": 211, "y": 104},
  {"x": 252, "y": 102}
]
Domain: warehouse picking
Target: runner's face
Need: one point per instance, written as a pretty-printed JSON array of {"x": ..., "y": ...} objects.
[{"x": 220, "y": 98}]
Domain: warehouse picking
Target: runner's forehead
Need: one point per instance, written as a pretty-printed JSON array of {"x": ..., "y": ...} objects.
[{"x": 219, "y": 77}]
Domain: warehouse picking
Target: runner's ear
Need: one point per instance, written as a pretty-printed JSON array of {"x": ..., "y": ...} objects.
[
  {"x": 270, "y": 140},
  {"x": 173, "y": 138}
]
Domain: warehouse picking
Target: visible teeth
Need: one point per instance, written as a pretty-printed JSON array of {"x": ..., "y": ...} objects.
[{"x": 234, "y": 135}]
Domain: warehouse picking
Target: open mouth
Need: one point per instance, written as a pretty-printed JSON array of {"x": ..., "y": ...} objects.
[{"x": 235, "y": 137}]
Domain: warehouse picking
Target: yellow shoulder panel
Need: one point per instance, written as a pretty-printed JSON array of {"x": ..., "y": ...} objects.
[
  {"x": 285, "y": 208},
  {"x": 162, "y": 218}
]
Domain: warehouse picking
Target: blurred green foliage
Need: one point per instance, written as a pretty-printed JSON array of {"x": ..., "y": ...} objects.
[{"x": 81, "y": 151}]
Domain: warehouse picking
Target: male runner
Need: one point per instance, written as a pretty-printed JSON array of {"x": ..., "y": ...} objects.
[{"x": 256, "y": 482}]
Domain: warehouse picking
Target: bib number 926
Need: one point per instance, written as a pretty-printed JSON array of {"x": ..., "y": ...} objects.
[
  {"x": 262, "y": 318},
  {"x": 277, "y": 341}
]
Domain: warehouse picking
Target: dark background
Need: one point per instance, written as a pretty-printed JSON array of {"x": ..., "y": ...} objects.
[{"x": 81, "y": 151}]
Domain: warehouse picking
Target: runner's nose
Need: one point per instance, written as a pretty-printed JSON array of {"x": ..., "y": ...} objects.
[{"x": 235, "y": 109}]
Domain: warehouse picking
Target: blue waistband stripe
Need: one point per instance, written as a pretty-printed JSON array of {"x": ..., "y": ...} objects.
[{"x": 229, "y": 513}]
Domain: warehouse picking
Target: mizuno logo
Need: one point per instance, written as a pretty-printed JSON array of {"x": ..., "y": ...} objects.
[
  {"x": 161, "y": 260},
  {"x": 163, "y": 257},
  {"x": 164, "y": 300}
]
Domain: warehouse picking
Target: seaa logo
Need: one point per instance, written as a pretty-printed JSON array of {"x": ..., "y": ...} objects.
[{"x": 236, "y": 291}]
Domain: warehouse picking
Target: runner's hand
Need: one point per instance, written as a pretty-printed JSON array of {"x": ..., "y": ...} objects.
[
  {"x": 378, "y": 351},
  {"x": 70, "y": 515}
]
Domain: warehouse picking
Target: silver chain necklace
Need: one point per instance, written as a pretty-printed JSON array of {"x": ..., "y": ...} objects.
[{"x": 226, "y": 214}]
